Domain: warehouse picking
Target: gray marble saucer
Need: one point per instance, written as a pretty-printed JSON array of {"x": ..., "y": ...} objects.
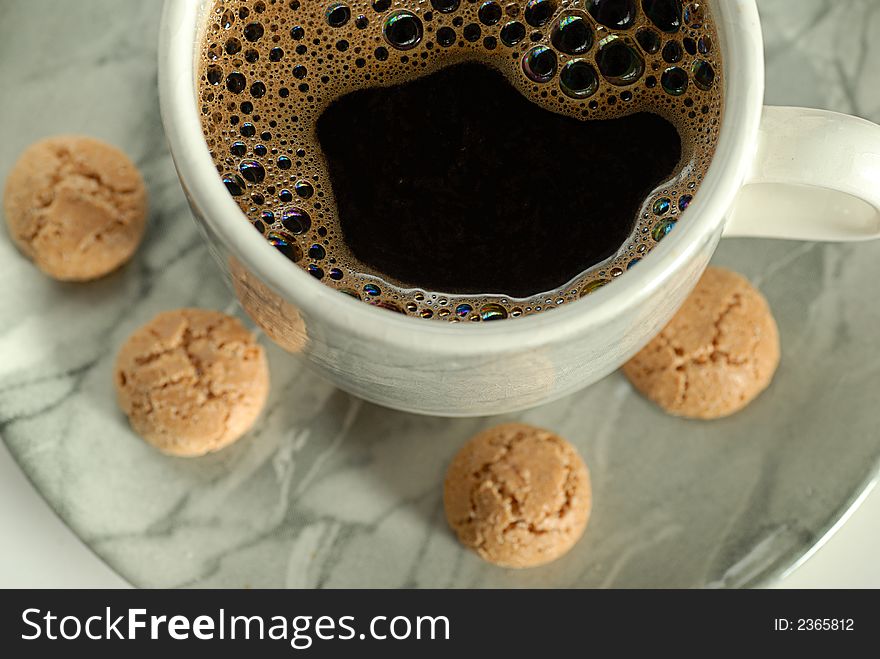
[{"x": 330, "y": 491}]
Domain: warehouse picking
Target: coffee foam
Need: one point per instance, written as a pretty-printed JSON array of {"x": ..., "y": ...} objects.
[{"x": 271, "y": 67}]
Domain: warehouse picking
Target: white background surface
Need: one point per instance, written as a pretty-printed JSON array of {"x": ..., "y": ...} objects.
[{"x": 38, "y": 551}]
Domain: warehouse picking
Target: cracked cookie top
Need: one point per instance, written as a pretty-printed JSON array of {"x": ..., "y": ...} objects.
[
  {"x": 518, "y": 495},
  {"x": 75, "y": 206},
  {"x": 191, "y": 381},
  {"x": 715, "y": 356}
]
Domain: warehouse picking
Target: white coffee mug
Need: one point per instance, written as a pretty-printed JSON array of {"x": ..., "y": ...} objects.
[{"x": 777, "y": 172}]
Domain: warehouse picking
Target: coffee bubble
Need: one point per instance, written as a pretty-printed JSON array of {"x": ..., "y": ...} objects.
[
  {"x": 539, "y": 63},
  {"x": 572, "y": 34},
  {"x": 674, "y": 81},
  {"x": 489, "y": 13},
  {"x": 403, "y": 30},
  {"x": 512, "y": 33},
  {"x": 286, "y": 244},
  {"x": 616, "y": 14},
  {"x": 578, "y": 79},
  {"x": 619, "y": 62},
  {"x": 649, "y": 40},
  {"x": 539, "y": 12},
  {"x": 704, "y": 75},
  {"x": 665, "y": 14}
]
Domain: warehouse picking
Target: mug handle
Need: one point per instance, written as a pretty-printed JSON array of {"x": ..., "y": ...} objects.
[{"x": 816, "y": 176}]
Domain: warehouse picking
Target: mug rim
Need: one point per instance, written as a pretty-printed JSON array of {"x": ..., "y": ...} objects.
[{"x": 742, "y": 46}]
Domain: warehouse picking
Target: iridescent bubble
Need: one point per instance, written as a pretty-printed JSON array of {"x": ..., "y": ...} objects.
[
  {"x": 317, "y": 252},
  {"x": 426, "y": 313},
  {"x": 252, "y": 171},
  {"x": 372, "y": 290},
  {"x": 662, "y": 206},
  {"x": 489, "y": 13},
  {"x": 234, "y": 184},
  {"x": 268, "y": 217},
  {"x": 616, "y": 14},
  {"x": 704, "y": 75},
  {"x": 674, "y": 81},
  {"x": 296, "y": 220},
  {"x": 403, "y": 30},
  {"x": 463, "y": 310},
  {"x": 632, "y": 263},
  {"x": 578, "y": 79},
  {"x": 665, "y": 14},
  {"x": 285, "y": 244},
  {"x": 492, "y": 311},
  {"x": 538, "y": 12},
  {"x": 338, "y": 14},
  {"x": 284, "y": 163},
  {"x": 662, "y": 228},
  {"x": 304, "y": 189},
  {"x": 619, "y": 63},
  {"x": 315, "y": 271},
  {"x": 684, "y": 202},
  {"x": 539, "y": 63},
  {"x": 381, "y": 5},
  {"x": 649, "y": 40},
  {"x": 336, "y": 274},
  {"x": 593, "y": 286},
  {"x": 572, "y": 34},
  {"x": 227, "y": 19},
  {"x": 512, "y": 33},
  {"x": 238, "y": 149}
]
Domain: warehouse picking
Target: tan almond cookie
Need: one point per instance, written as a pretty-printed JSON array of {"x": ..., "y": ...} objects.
[
  {"x": 75, "y": 206},
  {"x": 191, "y": 381},
  {"x": 717, "y": 353},
  {"x": 517, "y": 495}
]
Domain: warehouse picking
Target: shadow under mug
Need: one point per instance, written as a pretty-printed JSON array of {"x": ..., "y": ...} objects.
[{"x": 777, "y": 172}]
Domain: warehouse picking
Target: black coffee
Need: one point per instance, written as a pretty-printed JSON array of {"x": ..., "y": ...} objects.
[
  {"x": 462, "y": 160},
  {"x": 455, "y": 209}
]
